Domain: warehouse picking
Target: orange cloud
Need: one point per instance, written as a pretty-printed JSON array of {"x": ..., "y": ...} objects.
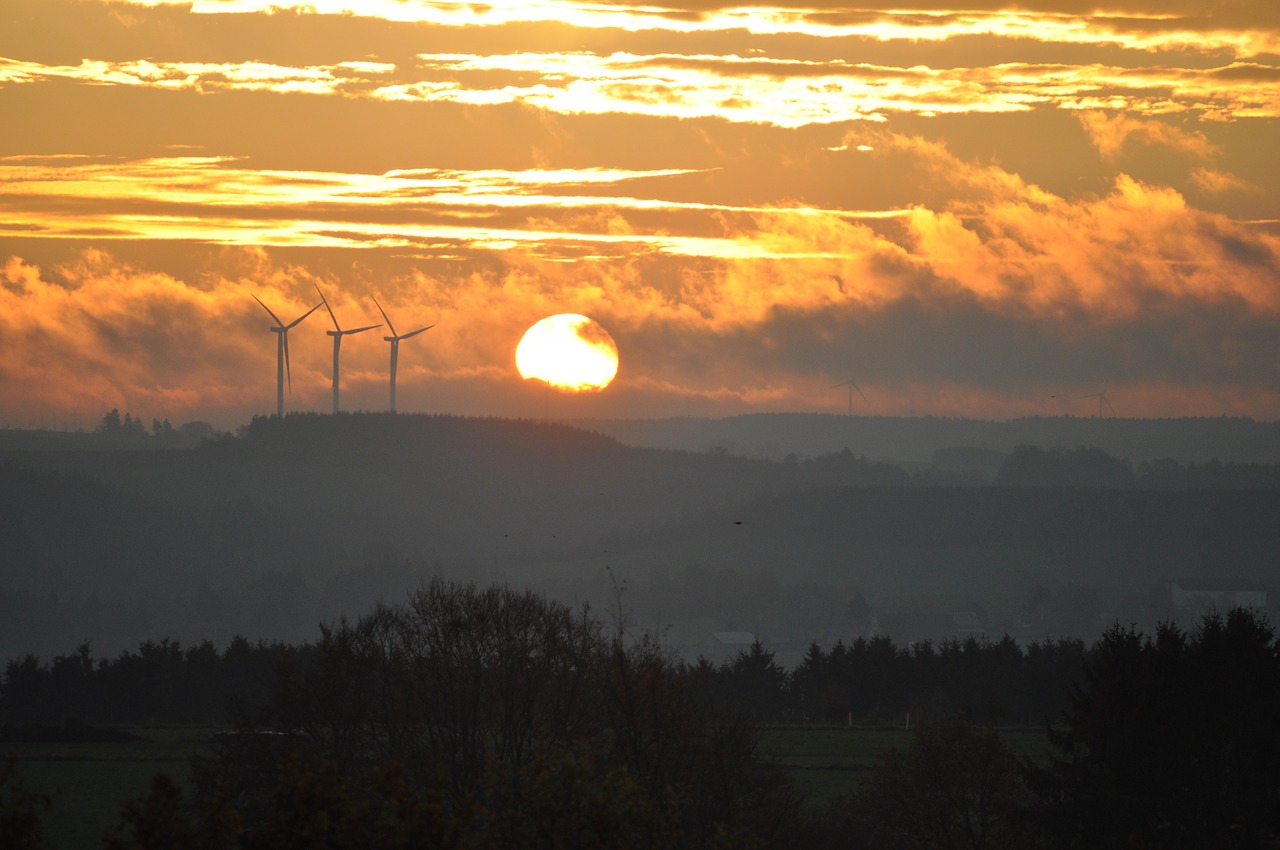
[
  {"x": 989, "y": 295},
  {"x": 1246, "y": 31},
  {"x": 1111, "y": 134},
  {"x": 785, "y": 93},
  {"x": 1219, "y": 182}
]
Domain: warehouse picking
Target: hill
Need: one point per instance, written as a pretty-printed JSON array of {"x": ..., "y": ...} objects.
[
  {"x": 917, "y": 439},
  {"x": 313, "y": 517}
]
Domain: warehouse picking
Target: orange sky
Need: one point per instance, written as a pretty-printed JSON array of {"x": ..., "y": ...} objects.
[{"x": 969, "y": 210}]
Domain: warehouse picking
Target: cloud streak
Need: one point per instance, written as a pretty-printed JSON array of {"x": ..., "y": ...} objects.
[
  {"x": 1247, "y": 32},
  {"x": 785, "y": 93}
]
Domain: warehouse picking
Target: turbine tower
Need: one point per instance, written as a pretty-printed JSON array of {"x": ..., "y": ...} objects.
[
  {"x": 338, "y": 333},
  {"x": 1102, "y": 399},
  {"x": 852, "y": 385},
  {"x": 394, "y": 339},
  {"x": 281, "y": 330}
]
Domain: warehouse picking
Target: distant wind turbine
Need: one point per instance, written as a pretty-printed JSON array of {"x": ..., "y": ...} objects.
[
  {"x": 394, "y": 339},
  {"x": 338, "y": 333},
  {"x": 1102, "y": 399},
  {"x": 852, "y": 385},
  {"x": 281, "y": 330}
]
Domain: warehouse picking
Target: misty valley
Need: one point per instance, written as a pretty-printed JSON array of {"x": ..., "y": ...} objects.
[
  {"x": 303, "y": 520},
  {"x": 405, "y": 630}
]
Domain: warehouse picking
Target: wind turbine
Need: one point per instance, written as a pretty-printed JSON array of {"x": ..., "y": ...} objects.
[
  {"x": 394, "y": 339},
  {"x": 1102, "y": 399},
  {"x": 338, "y": 333},
  {"x": 281, "y": 330},
  {"x": 852, "y": 385}
]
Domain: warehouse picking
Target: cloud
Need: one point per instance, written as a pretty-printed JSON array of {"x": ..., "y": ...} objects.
[
  {"x": 993, "y": 291},
  {"x": 1219, "y": 182},
  {"x": 1013, "y": 292},
  {"x": 1001, "y": 301},
  {"x": 785, "y": 93},
  {"x": 1142, "y": 25},
  {"x": 1111, "y": 134},
  {"x": 755, "y": 201}
]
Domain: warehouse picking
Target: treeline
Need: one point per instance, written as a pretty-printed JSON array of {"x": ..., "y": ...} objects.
[
  {"x": 1034, "y": 466},
  {"x": 471, "y": 718},
  {"x": 867, "y": 682},
  {"x": 1233, "y": 439},
  {"x": 115, "y": 431},
  {"x": 160, "y": 683},
  {"x": 1087, "y": 466},
  {"x": 130, "y": 432},
  {"x": 873, "y": 680}
]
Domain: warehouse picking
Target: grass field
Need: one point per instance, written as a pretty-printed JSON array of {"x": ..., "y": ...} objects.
[
  {"x": 829, "y": 762},
  {"x": 88, "y": 781}
]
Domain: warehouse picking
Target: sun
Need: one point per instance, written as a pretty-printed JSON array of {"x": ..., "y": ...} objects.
[{"x": 568, "y": 351}]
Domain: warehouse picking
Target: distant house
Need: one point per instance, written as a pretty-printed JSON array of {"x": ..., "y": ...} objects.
[
  {"x": 720, "y": 647},
  {"x": 733, "y": 641},
  {"x": 1217, "y": 593}
]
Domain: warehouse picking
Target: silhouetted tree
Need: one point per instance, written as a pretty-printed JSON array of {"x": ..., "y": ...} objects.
[
  {"x": 110, "y": 426},
  {"x": 1171, "y": 741},
  {"x": 461, "y": 681},
  {"x": 755, "y": 683}
]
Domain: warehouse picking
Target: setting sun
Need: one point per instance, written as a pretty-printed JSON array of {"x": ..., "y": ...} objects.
[{"x": 568, "y": 351}]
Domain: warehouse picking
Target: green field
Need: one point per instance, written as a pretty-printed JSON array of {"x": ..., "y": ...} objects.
[
  {"x": 88, "y": 781},
  {"x": 829, "y": 762}
]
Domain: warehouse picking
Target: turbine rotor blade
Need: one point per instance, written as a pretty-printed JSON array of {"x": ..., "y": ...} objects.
[
  {"x": 287, "y": 372},
  {"x": 325, "y": 302},
  {"x": 415, "y": 333},
  {"x": 361, "y": 330},
  {"x": 853, "y": 385},
  {"x": 268, "y": 309},
  {"x": 385, "y": 317},
  {"x": 295, "y": 322}
]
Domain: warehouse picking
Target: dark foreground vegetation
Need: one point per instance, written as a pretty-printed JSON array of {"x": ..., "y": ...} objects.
[
  {"x": 472, "y": 717},
  {"x": 871, "y": 681}
]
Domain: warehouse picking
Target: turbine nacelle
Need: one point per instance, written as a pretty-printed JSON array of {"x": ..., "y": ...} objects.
[
  {"x": 284, "y": 374},
  {"x": 852, "y": 385},
  {"x": 1102, "y": 399},
  {"x": 337, "y": 328},
  {"x": 344, "y": 332},
  {"x": 409, "y": 335},
  {"x": 338, "y": 333},
  {"x": 394, "y": 339}
]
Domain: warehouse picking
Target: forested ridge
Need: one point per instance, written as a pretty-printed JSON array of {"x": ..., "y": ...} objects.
[{"x": 1193, "y": 439}]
